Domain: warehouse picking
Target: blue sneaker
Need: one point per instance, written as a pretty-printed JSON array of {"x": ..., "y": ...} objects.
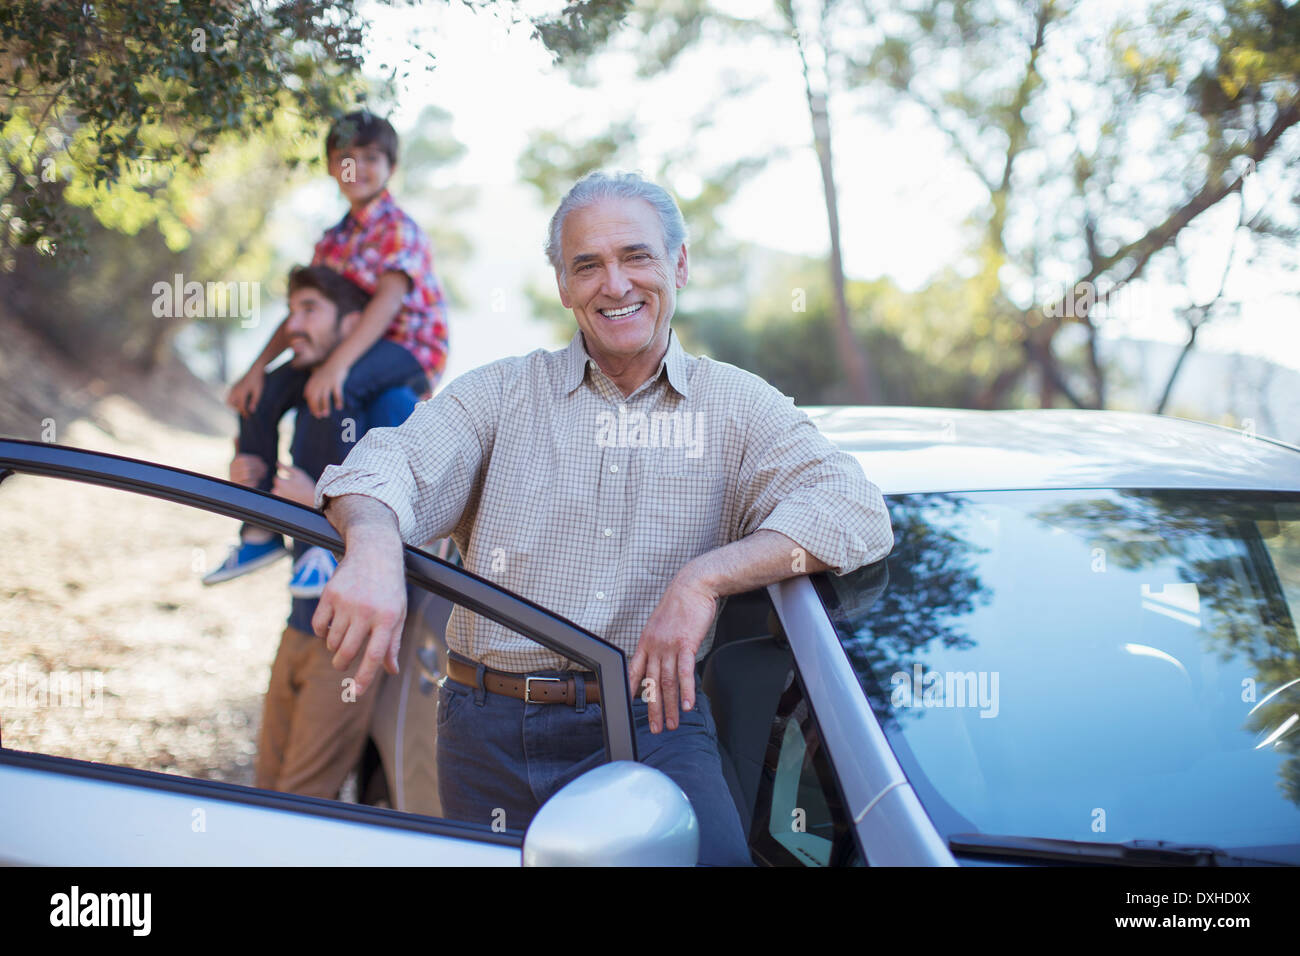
[
  {"x": 247, "y": 556},
  {"x": 311, "y": 572}
]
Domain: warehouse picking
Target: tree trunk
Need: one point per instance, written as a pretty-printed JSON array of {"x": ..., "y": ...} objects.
[
  {"x": 863, "y": 387},
  {"x": 862, "y": 383}
]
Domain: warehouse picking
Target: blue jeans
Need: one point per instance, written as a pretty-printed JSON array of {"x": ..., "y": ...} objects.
[
  {"x": 497, "y": 753},
  {"x": 325, "y": 441},
  {"x": 381, "y": 389}
]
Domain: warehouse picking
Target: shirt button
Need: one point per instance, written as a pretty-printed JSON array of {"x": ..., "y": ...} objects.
[
  {"x": 608, "y": 532},
  {"x": 613, "y": 468},
  {"x": 600, "y": 595}
]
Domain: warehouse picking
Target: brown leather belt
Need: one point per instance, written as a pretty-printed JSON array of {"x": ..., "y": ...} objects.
[{"x": 534, "y": 690}]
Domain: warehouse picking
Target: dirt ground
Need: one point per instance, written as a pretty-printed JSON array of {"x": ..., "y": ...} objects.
[{"x": 110, "y": 647}]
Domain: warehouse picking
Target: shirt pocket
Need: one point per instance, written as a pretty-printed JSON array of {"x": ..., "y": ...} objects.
[
  {"x": 682, "y": 462},
  {"x": 681, "y": 510}
]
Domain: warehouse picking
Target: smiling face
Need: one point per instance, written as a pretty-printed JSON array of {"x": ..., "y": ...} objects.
[
  {"x": 621, "y": 283},
  {"x": 313, "y": 327},
  {"x": 362, "y": 172}
]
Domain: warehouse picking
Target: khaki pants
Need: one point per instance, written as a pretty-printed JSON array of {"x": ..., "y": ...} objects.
[{"x": 314, "y": 726}]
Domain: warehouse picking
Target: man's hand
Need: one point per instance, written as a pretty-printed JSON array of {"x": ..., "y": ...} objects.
[
  {"x": 294, "y": 484},
  {"x": 365, "y": 600},
  {"x": 324, "y": 388},
  {"x": 665, "y": 653},
  {"x": 364, "y": 603},
  {"x": 246, "y": 392},
  {"x": 248, "y": 470}
]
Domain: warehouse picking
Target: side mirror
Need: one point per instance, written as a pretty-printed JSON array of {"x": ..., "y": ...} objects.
[{"x": 620, "y": 814}]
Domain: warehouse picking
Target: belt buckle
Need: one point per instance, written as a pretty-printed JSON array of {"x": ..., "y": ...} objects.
[{"x": 528, "y": 697}]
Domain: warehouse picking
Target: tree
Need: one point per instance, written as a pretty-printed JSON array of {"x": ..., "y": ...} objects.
[
  {"x": 92, "y": 95},
  {"x": 814, "y": 31},
  {"x": 1095, "y": 142},
  {"x": 817, "y": 58},
  {"x": 203, "y": 224},
  {"x": 1093, "y": 164}
]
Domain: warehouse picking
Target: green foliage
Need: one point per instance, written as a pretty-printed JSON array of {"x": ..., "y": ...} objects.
[
  {"x": 1098, "y": 142},
  {"x": 206, "y": 224},
  {"x": 1099, "y": 135},
  {"x": 580, "y": 26},
  {"x": 105, "y": 102},
  {"x": 105, "y": 307},
  {"x": 785, "y": 335},
  {"x": 112, "y": 100},
  {"x": 552, "y": 163}
]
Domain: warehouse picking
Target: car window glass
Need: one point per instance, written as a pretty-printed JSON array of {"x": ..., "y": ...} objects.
[
  {"x": 112, "y": 650},
  {"x": 799, "y": 819},
  {"x": 102, "y": 596},
  {"x": 1089, "y": 664}
]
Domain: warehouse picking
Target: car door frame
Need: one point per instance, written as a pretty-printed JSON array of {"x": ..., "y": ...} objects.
[
  {"x": 308, "y": 525},
  {"x": 889, "y": 820}
]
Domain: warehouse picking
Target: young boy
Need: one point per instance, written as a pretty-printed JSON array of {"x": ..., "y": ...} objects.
[{"x": 383, "y": 251}]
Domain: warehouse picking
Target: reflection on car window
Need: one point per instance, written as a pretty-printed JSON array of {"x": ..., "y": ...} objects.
[{"x": 1103, "y": 665}]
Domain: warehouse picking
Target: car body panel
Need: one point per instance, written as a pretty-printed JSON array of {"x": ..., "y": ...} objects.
[
  {"x": 63, "y": 818},
  {"x": 912, "y": 450}
]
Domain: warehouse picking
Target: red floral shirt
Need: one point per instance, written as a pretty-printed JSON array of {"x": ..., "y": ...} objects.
[{"x": 385, "y": 239}]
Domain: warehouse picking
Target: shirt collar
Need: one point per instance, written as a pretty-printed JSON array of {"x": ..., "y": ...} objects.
[
  {"x": 674, "y": 361},
  {"x": 376, "y": 207}
]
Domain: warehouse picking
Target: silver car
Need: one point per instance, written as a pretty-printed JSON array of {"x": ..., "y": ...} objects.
[{"x": 1082, "y": 648}]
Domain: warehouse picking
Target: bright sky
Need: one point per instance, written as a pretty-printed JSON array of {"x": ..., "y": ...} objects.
[{"x": 499, "y": 86}]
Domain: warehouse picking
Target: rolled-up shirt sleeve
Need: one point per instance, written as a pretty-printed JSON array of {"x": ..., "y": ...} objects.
[
  {"x": 795, "y": 481},
  {"x": 427, "y": 470}
]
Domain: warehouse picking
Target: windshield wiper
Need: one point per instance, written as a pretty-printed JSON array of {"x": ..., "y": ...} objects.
[{"x": 1131, "y": 853}]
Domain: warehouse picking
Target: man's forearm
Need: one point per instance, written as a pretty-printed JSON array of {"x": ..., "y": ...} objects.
[
  {"x": 365, "y": 523},
  {"x": 754, "y": 561}
]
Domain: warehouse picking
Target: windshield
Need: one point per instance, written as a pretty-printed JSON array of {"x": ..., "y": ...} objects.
[{"x": 1089, "y": 665}]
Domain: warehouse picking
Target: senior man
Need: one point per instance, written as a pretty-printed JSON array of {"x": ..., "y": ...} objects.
[{"x": 620, "y": 482}]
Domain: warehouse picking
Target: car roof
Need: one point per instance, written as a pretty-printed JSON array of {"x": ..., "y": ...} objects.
[{"x": 908, "y": 450}]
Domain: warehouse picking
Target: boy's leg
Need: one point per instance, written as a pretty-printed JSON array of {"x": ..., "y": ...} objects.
[
  {"x": 376, "y": 385},
  {"x": 320, "y": 442},
  {"x": 379, "y": 382},
  {"x": 392, "y": 407},
  {"x": 385, "y": 365}
]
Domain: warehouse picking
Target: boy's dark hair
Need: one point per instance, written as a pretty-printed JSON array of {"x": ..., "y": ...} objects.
[
  {"x": 362, "y": 128},
  {"x": 346, "y": 295}
]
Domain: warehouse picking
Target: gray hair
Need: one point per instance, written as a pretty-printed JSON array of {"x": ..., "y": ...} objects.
[{"x": 598, "y": 186}]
